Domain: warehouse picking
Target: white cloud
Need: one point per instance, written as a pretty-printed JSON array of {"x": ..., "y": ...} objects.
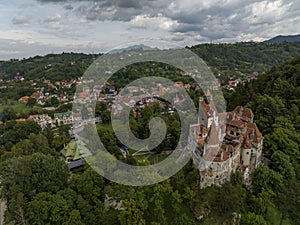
[
  {"x": 154, "y": 22},
  {"x": 267, "y": 11}
]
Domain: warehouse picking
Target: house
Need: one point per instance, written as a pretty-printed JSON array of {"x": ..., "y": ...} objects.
[
  {"x": 43, "y": 120},
  {"x": 224, "y": 143},
  {"x": 74, "y": 154},
  {"x": 36, "y": 95},
  {"x": 21, "y": 120},
  {"x": 19, "y": 78},
  {"x": 63, "y": 118},
  {"x": 23, "y": 99}
]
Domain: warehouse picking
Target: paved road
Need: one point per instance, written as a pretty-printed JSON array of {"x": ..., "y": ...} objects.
[{"x": 2, "y": 210}]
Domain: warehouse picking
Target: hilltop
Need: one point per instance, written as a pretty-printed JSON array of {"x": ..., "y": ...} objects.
[
  {"x": 246, "y": 57},
  {"x": 282, "y": 38},
  {"x": 54, "y": 67},
  {"x": 135, "y": 47}
]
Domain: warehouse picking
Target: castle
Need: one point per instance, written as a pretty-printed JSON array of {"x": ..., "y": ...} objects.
[{"x": 224, "y": 143}]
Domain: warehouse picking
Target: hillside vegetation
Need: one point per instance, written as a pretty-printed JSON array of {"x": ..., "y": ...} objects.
[
  {"x": 247, "y": 57},
  {"x": 54, "y": 67},
  {"x": 240, "y": 58}
]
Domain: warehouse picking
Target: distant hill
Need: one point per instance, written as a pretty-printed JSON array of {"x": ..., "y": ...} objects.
[
  {"x": 246, "y": 57},
  {"x": 281, "y": 38},
  {"x": 240, "y": 58},
  {"x": 141, "y": 46},
  {"x": 54, "y": 67}
]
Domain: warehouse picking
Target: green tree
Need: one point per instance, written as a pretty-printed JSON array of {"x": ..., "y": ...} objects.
[
  {"x": 31, "y": 102},
  {"x": 284, "y": 140},
  {"x": 132, "y": 213},
  {"x": 52, "y": 102},
  {"x": 49, "y": 209},
  {"x": 266, "y": 179},
  {"x": 74, "y": 218},
  {"x": 8, "y": 114},
  {"x": 105, "y": 116},
  {"x": 59, "y": 142},
  {"x": 99, "y": 108},
  {"x": 281, "y": 163},
  {"x": 35, "y": 143},
  {"x": 90, "y": 186},
  {"x": 252, "y": 219},
  {"x": 33, "y": 174},
  {"x": 266, "y": 109}
]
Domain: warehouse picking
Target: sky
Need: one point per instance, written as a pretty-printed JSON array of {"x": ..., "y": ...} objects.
[{"x": 39, "y": 27}]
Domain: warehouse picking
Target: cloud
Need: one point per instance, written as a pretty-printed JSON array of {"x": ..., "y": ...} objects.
[
  {"x": 214, "y": 19},
  {"x": 22, "y": 20},
  {"x": 183, "y": 22},
  {"x": 68, "y": 7},
  {"x": 154, "y": 22},
  {"x": 110, "y": 10}
]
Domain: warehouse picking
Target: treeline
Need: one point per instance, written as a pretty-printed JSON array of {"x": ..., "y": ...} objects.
[
  {"x": 54, "y": 67},
  {"x": 247, "y": 57}
]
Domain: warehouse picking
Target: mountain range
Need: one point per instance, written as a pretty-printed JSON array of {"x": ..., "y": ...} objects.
[
  {"x": 282, "y": 38},
  {"x": 135, "y": 47}
]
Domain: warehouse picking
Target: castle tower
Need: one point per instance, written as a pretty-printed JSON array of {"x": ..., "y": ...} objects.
[{"x": 212, "y": 140}]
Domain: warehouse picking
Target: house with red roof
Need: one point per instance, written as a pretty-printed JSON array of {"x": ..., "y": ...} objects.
[{"x": 23, "y": 99}]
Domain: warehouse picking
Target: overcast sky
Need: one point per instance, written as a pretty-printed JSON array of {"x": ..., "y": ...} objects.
[{"x": 38, "y": 27}]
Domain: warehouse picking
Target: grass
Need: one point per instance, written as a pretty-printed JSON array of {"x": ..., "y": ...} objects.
[{"x": 18, "y": 107}]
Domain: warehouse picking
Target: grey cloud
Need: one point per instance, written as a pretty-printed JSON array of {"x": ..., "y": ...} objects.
[
  {"x": 107, "y": 11},
  {"x": 223, "y": 19},
  {"x": 21, "y": 20},
  {"x": 129, "y": 4},
  {"x": 231, "y": 20},
  {"x": 68, "y": 7},
  {"x": 177, "y": 38}
]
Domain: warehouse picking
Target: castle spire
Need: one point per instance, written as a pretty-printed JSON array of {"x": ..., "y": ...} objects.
[{"x": 213, "y": 137}]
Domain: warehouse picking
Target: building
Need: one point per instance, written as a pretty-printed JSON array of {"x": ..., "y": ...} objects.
[
  {"x": 63, "y": 118},
  {"x": 23, "y": 99},
  {"x": 224, "y": 143},
  {"x": 74, "y": 154},
  {"x": 43, "y": 120}
]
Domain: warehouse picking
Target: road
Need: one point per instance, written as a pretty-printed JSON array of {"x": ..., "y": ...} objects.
[{"x": 2, "y": 210}]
